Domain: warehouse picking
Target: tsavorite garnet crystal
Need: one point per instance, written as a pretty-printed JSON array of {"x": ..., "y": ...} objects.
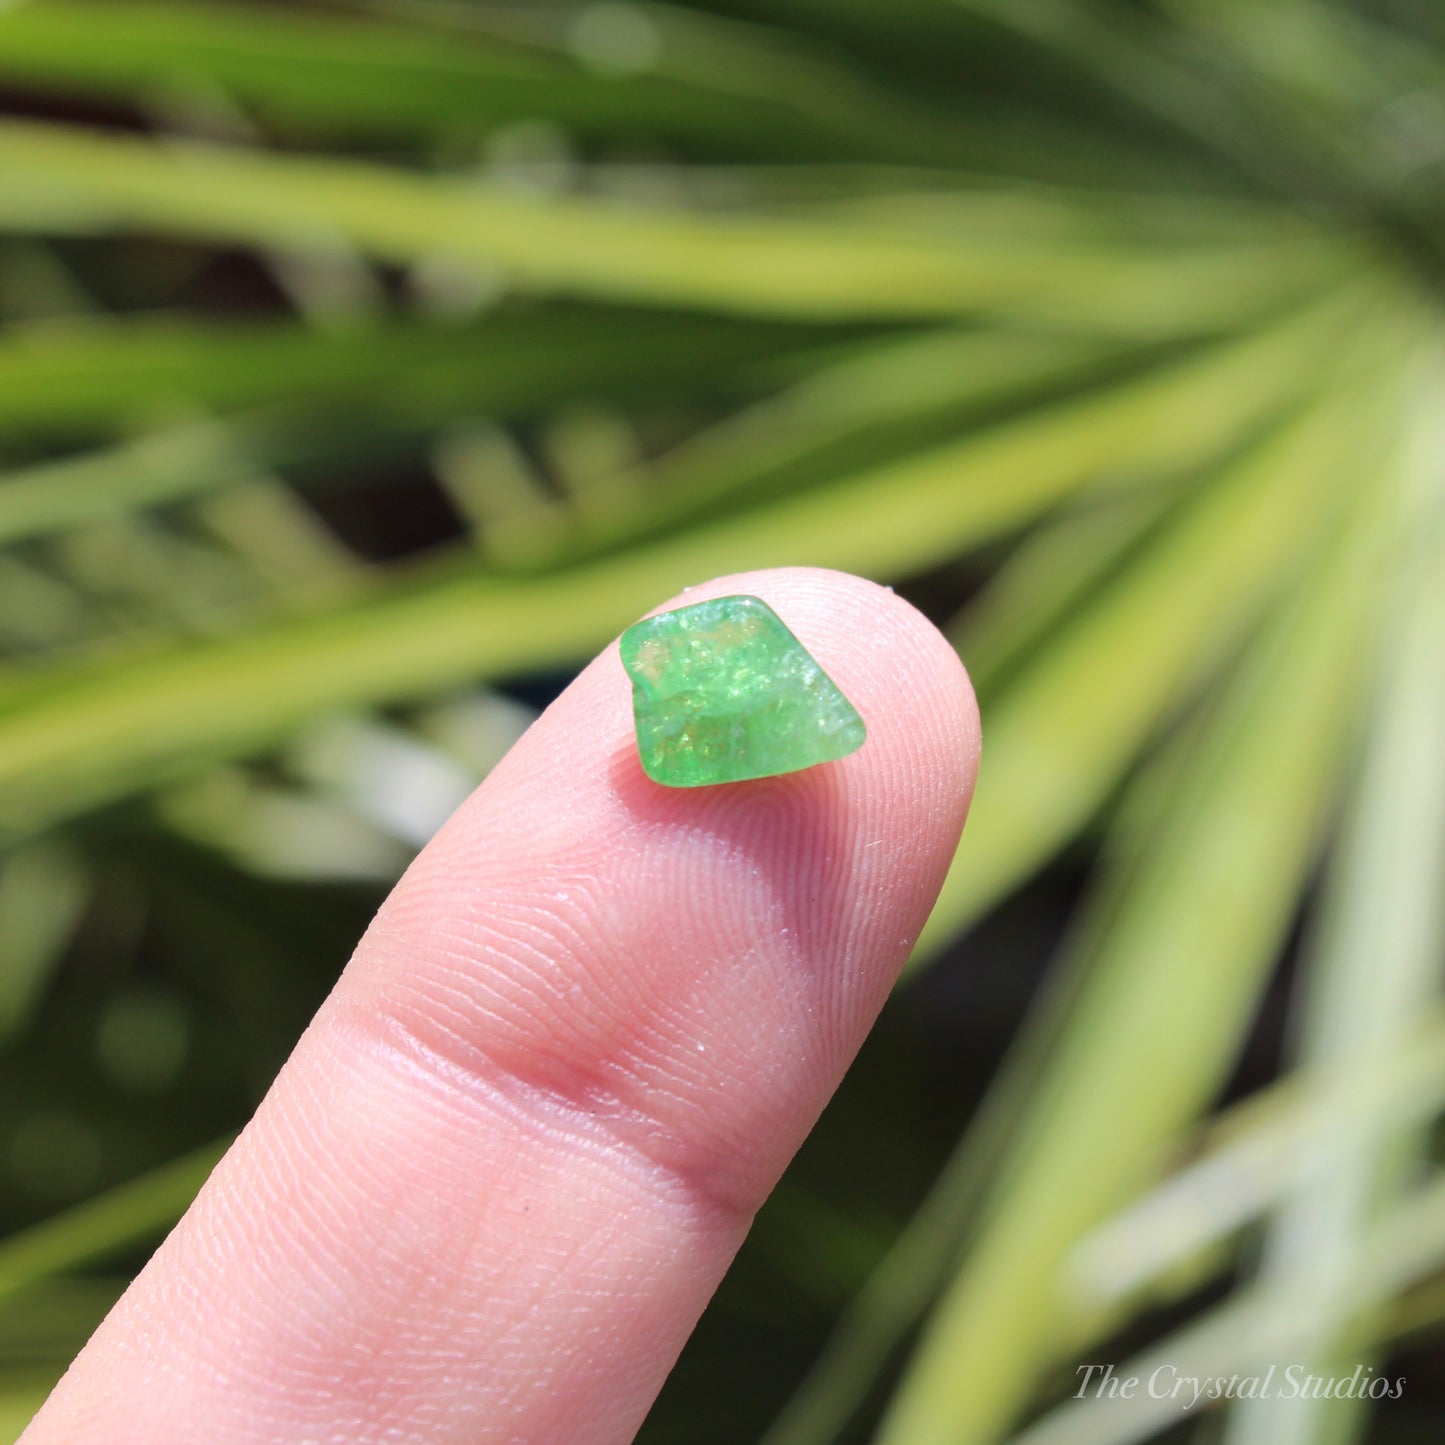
[{"x": 722, "y": 691}]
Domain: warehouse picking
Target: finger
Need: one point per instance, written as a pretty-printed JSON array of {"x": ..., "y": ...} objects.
[{"x": 504, "y": 1169}]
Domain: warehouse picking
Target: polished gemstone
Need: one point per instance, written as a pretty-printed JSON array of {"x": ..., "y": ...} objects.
[{"x": 722, "y": 691}]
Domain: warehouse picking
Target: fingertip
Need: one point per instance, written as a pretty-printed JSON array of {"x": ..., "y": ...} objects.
[{"x": 645, "y": 949}]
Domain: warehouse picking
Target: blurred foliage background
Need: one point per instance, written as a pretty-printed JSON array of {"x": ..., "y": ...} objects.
[{"x": 366, "y": 365}]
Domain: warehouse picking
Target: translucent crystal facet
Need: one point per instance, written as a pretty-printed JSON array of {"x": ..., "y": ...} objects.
[{"x": 722, "y": 691}]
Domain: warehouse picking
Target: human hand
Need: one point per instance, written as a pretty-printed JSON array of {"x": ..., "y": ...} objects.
[{"x": 504, "y": 1169}]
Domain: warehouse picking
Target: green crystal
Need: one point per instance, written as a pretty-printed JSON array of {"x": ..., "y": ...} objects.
[{"x": 722, "y": 691}]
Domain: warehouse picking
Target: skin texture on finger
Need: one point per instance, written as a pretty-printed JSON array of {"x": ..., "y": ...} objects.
[{"x": 492, "y": 1190}]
